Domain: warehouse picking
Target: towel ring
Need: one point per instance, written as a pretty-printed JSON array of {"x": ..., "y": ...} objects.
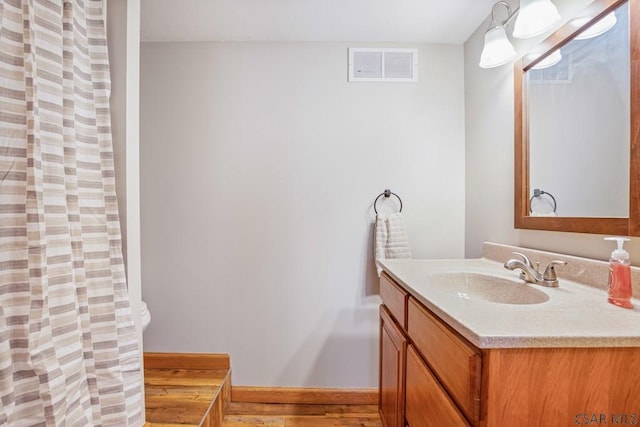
[
  {"x": 387, "y": 193},
  {"x": 538, "y": 193}
]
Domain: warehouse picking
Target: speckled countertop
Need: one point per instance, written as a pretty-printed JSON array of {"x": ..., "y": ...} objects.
[{"x": 574, "y": 315}]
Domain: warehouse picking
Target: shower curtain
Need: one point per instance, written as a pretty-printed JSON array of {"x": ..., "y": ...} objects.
[{"x": 68, "y": 349}]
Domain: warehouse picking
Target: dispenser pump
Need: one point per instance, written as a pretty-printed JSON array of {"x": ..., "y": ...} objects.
[{"x": 619, "y": 253}]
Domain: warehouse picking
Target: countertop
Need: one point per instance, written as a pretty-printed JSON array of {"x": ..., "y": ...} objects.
[{"x": 575, "y": 315}]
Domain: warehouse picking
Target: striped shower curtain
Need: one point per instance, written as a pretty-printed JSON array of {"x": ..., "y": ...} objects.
[{"x": 68, "y": 349}]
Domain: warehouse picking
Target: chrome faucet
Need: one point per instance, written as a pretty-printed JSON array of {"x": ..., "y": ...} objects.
[{"x": 531, "y": 274}]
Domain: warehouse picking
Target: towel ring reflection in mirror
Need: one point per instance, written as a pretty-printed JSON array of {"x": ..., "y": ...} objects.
[
  {"x": 539, "y": 193},
  {"x": 386, "y": 193}
]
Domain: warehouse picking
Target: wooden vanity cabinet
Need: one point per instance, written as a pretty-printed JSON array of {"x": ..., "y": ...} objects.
[
  {"x": 411, "y": 390},
  {"x": 431, "y": 376}
]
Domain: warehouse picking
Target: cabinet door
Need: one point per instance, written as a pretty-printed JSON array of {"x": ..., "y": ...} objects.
[
  {"x": 428, "y": 404},
  {"x": 393, "y": 349}
]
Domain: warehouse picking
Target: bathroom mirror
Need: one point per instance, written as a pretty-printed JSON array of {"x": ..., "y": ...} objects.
[{"x": 577, "y": 126}]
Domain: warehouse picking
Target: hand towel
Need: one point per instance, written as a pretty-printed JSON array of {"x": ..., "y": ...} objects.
[{"x": 391, "y": 238}]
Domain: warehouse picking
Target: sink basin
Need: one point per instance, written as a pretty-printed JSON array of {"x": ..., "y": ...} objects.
[{"x": 485, "y": 287}]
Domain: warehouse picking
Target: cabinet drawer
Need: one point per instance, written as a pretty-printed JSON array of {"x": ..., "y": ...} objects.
[
  {"x": 395, "y": 298},
  {"x": 456, "y": 363},
  {"x": 428, "y": 404}
]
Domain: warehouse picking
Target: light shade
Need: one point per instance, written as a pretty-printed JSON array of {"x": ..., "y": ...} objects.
[
  {"x": 497, "y": 48},
  {"x": 598, "y": 28},
  {"x": 534, "y": 18},
  {"x": 549, "y": 61}
]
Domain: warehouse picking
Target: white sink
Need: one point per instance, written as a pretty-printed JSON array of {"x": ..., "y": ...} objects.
[{"x": 486, "y": 287}]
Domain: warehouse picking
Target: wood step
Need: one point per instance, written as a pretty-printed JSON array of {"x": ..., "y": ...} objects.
[
  {"x": 186, "y": 389},
  {"x": 280, "y": 409},
  {"x": 302, "y": 407}
]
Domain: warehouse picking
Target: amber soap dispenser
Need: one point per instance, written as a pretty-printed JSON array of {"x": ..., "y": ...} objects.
[{"x": 620, "y": 275}]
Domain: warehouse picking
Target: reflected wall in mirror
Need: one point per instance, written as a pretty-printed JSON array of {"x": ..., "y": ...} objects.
[{"x": 576, "y": 143}]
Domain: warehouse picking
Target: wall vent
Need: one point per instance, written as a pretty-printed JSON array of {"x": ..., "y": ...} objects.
[{"x": 383, "y": 65}]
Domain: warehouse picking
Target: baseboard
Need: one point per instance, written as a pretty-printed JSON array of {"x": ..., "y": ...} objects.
[
  {"x": 191, "y": 361},
  {"x": 305, "y": 396}
]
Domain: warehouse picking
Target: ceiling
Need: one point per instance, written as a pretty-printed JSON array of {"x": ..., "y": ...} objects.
[{"x": 425, "y": 21}]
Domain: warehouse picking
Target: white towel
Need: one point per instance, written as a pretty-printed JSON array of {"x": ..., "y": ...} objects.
[{"x": 391, "y": 238}]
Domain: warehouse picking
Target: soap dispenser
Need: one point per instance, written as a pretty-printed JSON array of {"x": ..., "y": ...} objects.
[{"x": 620, "y": 275}]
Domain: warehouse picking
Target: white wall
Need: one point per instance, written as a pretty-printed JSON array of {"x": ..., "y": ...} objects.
[
  {"x": 123, "y": 37},
  {"x": 489, "y": 159},
  {"x": 117, "y": 45},
  {"x": 259, "y": 166}
]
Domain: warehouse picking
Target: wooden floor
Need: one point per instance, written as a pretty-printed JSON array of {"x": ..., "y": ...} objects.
[
  {"x": 297, "y": 415},
  {"x": 195, "y": 390}
]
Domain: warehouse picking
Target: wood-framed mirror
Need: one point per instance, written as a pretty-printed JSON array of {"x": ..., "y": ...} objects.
[{"x": 577, "y": 153}]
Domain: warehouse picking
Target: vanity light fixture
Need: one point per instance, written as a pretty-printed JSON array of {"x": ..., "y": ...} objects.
[
  {"x": 598, "y": 28},
  {"x": 534, "y": 17},
  {"x": 497, "y": 50}
]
